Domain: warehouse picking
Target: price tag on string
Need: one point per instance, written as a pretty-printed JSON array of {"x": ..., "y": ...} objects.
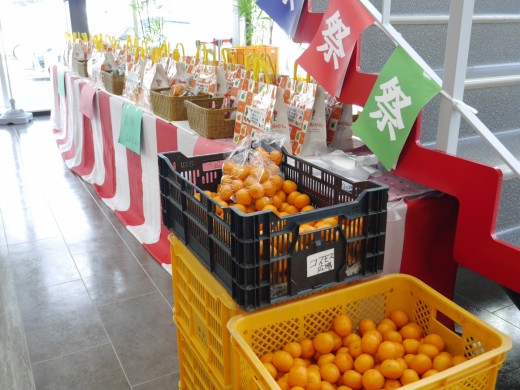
[{"x": 131, "y": 126}]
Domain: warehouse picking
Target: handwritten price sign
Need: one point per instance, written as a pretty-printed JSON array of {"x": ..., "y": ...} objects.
[
  {"x": 320, "y": 262},
  {"x": 131, "y": 125}
]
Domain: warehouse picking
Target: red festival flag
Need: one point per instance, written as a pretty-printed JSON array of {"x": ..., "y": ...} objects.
[{"x": 329, "y": 52}]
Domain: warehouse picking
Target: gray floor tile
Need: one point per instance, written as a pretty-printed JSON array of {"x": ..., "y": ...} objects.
[
  {"x": 42, "y": 263},
  {"x": 168, "y": 382},
  {"x": 59, "y": 320},
  {"x": 510, "y": 314},
  {"x": 489, "y": 295},
  {"x": 113, "y": 275},
  {"x": 95, "y": 241},
  {"x": 15, "y": 366},
  {"x": 162, "y": 279},
  {"x": 142, "y": 332},
  {"x": 92, "y": 369}
]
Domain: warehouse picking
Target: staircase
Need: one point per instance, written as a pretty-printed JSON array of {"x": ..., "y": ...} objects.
[{"x": 492, "y": 87}]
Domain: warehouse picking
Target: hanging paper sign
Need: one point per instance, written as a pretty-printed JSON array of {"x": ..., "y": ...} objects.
[
  {"x": 400, "y": 92},
  {"x": 131, "y": 125},
  {"x": 61, "y": 83},
  {"x": 328, "y": 55},
  {"x": 286, "y": 13},
  {"x": 86, "y": 100}
]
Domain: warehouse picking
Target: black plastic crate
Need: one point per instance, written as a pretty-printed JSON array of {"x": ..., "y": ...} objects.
[{"x": 232, "y": 245}]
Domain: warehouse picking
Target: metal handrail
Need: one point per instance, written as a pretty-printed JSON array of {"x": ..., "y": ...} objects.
[{"x": 457, "y": 106}]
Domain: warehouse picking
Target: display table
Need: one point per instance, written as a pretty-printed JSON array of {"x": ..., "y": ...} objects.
[{"x": 87, "y": 119}]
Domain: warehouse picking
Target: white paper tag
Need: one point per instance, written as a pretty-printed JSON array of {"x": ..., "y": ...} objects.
[
  {"x": 255, "y": 117},
  {"x": 320, "y": 262}
]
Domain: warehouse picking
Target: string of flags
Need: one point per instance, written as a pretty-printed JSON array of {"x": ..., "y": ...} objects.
[{"x": 402, "y": 88}]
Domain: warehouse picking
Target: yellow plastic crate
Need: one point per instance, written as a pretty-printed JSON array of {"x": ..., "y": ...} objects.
[
  {"x": 194, "y": 374},
  {"x": 254, "y": 334},
  {"x": 202, "y": 309}
]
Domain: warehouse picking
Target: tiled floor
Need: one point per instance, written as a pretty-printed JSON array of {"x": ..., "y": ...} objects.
[{"x": 84, "y": 306}]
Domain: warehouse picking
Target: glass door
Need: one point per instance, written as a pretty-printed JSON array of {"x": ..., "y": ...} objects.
[{"x": 33, "y": 34}]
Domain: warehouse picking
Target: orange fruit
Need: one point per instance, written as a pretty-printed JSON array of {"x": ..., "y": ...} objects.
[
  {"x": 289, "y": 186},
  {"x": 370, "y": 343},
  {"x": 272, "y": 168},
  {"x": 283, "y": 206},
  {"x": 428, "y": 349},
  {"x": 298, "y": 376},
  {"x": 282, "y": 195},
  {"x": 412, "y": 330},
  {"x": 260, "y": 203},
  {"x": 326, "y": 386},
  {"x": 386, "y": 350},
  {"x": 249, "y": 181},
  {"x": 329, "y": 372},
  {"x": 392, "y": 335},
  {"x": 399, "y": 349},
  {"x": 237, "y": 185},
  {"x": 325, "y": 358},
  {"x": 366, "y": 324},
  {"x": 222, "y": 203},
  {"x": 354, "y": 348},
  {"x": 428, "y": 373},
  {"x": 276, "y": 201},
  {"x": 323, "y": 342},
  {"x": 342, "y": 325},
  {"x": 391, "y": 368},
  {"x": 408, "y": 357},
  {"x": 364, "y": 362},
  {"x": 283, "y": 383},
  {"x": 270, "y": 369},
  {"x": 292, "y": 196},
  {"x": 242, "y": 197},
  {"x": 256, "y": 191},
  {"x": 277, "y": 181},
  {"x": 225, "y": 192},
  {"x": 352, "y": 379},
  {"x": 307, "y": 208},
  {"x": 276, "y": 157},
  {"x": 435, "y": 339},
  {"x": 338, "y": 341},
  {"x": 282, "y": 360},
  {"x": 411, "y": 345},
  {"x": 228, "y": 166},
  {"x": 399, "y": 317},
  {"x": 290, "y": 209},
  {"x": 409, "y": 376},
  {"x": 307, "y": 348},
  {"x": 391, "y": 384},
  {"x": 442, "y": 361},
  {"x": 344, "y": 362},
  {"x": 294, "y": 348},
  {"x": 402, "y": 362},
  {"x": 420, "y": 363},
  {"x": 313, "y": 379},
  {"x": 269, "y": 188},
  {"x": 350, "y": 338},
  {"x": 385, "y": 325},
  {"x": 372, "y": 380},
  {"x": 299, "y": 362},
  {"x": 301, "y": 201},
  {"x": 240, "y": 172},
  {"x": 250, "y": 209},
  {"x": 267, "y": 357},
  {"x": 241, "y": 207},
  {"x": 226, "y": 179},
  {"x": 458, "y": 359}
]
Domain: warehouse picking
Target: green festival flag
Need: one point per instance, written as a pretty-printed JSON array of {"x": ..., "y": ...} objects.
[{"x": 399, "y": 94}]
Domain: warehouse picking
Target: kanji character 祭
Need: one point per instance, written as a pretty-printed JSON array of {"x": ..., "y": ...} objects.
[
  {"x": 390, "y": 104},
  {"x": 333, "y": 36}
]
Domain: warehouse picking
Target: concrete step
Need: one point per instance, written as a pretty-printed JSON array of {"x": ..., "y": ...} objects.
[
  {"x": 442, "y": 7},
  {"x": 429, "y": 41}
]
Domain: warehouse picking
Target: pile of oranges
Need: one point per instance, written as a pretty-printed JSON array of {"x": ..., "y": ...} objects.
[
  {"x": 384, "y": 355},
  {"x": 257, "y": 184}
]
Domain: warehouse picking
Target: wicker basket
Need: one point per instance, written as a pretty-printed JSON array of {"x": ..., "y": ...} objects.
[
  {"x": 171, "y": 108},
  {"x": 113, "y": 83},
  {"x": 82, "y": 68},
  {"x": 210, "y": 122}
]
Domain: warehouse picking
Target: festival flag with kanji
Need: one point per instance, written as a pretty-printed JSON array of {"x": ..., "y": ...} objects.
[
  {"x": 328, "y": 55},
  {"x": 400, "y": 92},
  {"x": 286, "y": 13}
]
